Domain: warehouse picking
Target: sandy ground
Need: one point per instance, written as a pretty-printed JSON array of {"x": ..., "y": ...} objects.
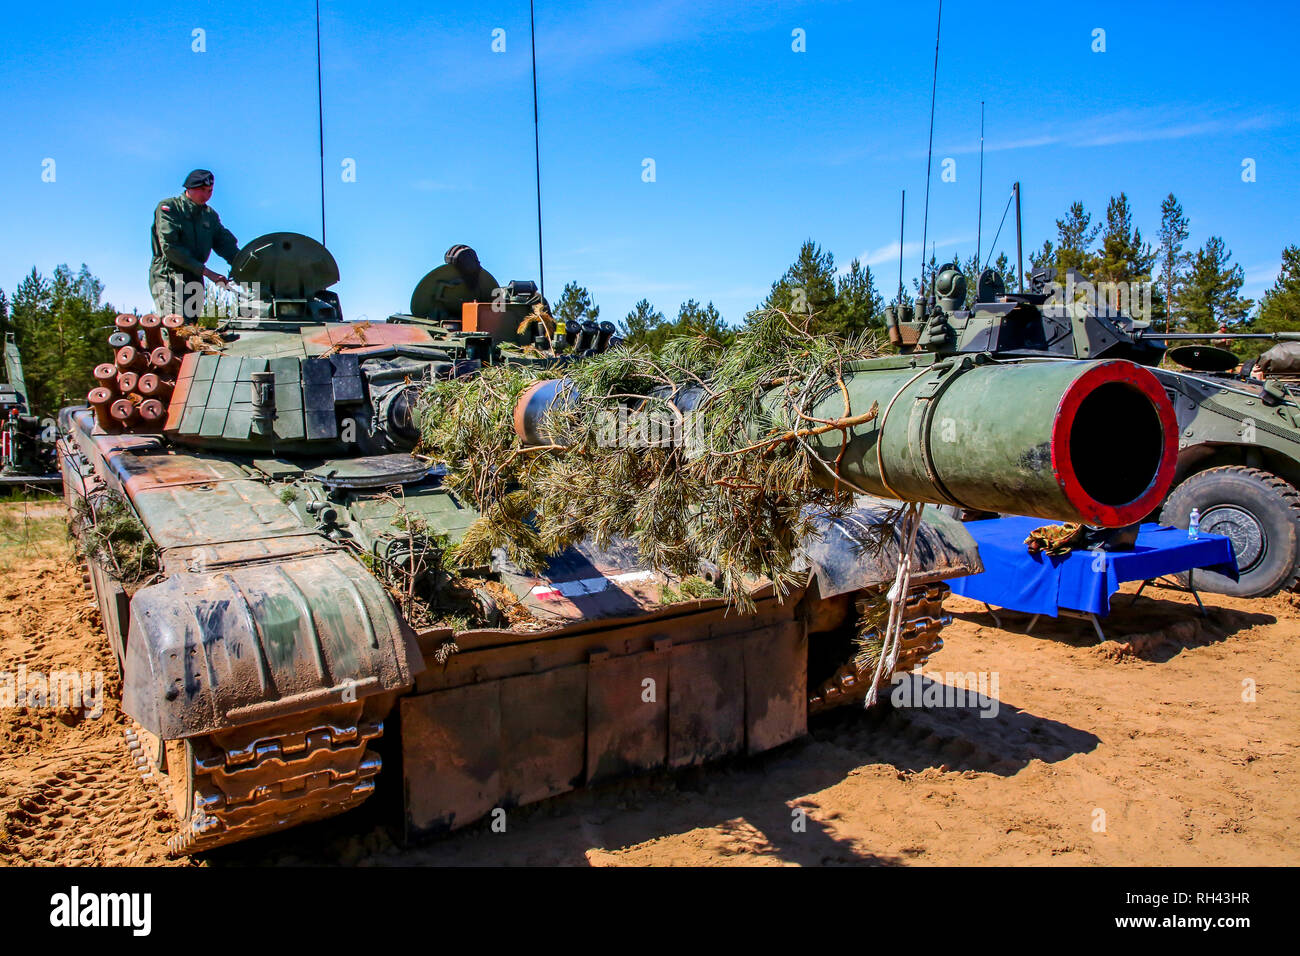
[
  {"x": 1140, "y": 750},
  {"x": 68, "y": 792}
]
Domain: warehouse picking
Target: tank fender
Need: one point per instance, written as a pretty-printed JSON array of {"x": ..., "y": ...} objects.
[
  {"x": 841, "y": 561},
  {"x": 213, "y": 650}
]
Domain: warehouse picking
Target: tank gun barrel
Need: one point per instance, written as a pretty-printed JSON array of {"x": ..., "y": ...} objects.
[
  {"x": 1094, "y": 442},
  {"x": 1201, "y": 336}
]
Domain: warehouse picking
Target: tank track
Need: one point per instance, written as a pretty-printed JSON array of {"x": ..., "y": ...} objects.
[
  {"x": 243, "y": 783},
  {"x": 923, "y": 620}
]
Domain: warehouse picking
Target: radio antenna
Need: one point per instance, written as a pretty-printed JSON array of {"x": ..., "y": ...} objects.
[
  {"x": 320, "y": 122},
  {"x": 934, "y": 83},
  {"x": 537, "y": 152},
  {"x": 902, "y": 211},
  {"x": 979, "y": 216},
  {"x": 1020, "y": 259}
]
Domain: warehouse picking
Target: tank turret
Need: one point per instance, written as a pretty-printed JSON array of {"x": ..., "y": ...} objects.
[{"x": 286, "y": 376}]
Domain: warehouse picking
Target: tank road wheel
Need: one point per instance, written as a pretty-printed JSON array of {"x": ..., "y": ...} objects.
[
  {"x": 243, "y": 783},
  {"x": 1260, "y": 513},
  {"x": 923, "y": 619}
]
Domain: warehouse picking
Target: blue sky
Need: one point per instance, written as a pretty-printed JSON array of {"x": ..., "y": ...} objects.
[{"x": 756, "y": 147}]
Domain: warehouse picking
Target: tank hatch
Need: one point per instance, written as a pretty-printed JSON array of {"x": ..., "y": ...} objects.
[
  {"x": 287, "y": 264},
  {"x": 291, "y": 273},
  {"x": 1204, "y": 358},
  {"x": 372, "y": 471}
]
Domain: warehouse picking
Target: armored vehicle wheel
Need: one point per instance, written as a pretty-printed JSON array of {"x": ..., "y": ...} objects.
[
  {"x": 1260, "y": 513},
  {"x": 259, "y": 779},
  {"x": 923, "y": 619}
]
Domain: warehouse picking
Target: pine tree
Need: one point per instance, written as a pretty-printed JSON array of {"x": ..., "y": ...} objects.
[
  {"x": 808, "y": 286},
  {"x": 692, "y": 319},
  {"x": 1279, "y": 310},
  {"x": 642, "y": 325},
  {"x": 1044, "y": 258},
  {"x": 5, "y": 325},
  {"x": 1172, "y": 260},
  {"x": 1210, "y": 293},
  {"x": 576, "y": 305},
  {"x": 858, "y": 305},
  {"x": 1123, "y": 256},
  {"x": 61, "y": 329},
  {"x": 1007, "y": 269},
  {"x": 1075, "y": 235},
  {"x": 1125, "y": 261}
]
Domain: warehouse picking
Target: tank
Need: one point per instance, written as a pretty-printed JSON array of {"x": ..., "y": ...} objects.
[
  {"x": 287, "y": 624},
  {"x": 26, "y": 441},
  {"x": 1238, "y": 447}
]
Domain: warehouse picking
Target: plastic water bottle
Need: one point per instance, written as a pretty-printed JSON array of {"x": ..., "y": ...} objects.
[{"x": 1194, "y": 524}]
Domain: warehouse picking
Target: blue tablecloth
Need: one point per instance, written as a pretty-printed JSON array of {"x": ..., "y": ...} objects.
[{"x": 1082, "y": 580}]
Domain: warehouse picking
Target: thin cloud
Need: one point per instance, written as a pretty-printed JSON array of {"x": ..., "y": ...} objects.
[
  {"x": 889, "y": 252},
  {"x": 1125, "y": 126},
  {"x": 618, "y": 283},
  {"x": 1258, "y": 278}
]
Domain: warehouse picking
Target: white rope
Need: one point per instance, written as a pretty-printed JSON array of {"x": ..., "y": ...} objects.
[
  {"x": 880, "y": 431},
  {"x": 892, "y": 639}
]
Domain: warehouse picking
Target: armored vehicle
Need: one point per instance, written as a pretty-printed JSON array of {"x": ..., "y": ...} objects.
[
  {"x": 1281, "y": 364},
  {"x": 26, "y": 441},
  {"x": 300, "y": 623},
  {"x": 1238, "y": 452}
]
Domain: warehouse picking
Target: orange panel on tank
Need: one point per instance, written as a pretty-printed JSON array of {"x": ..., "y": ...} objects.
[
  {"x": 481, "y": 317},
  {"x": 177, "y": 404}
]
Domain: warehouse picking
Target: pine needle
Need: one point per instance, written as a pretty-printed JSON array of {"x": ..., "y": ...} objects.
[{"x": 698, "y": 455}]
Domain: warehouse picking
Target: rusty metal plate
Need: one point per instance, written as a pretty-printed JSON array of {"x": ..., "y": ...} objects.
[
  {"x": 776, "y": 686},
  {"x": 241, "y": 510},
  {"x": 627, "y": 720},
  {"x": 139, "y": 472},
  {"x": 706, "y": 706},
  {"x": 451, "y": 757},
  {"x": 358, "y": 336},
  {"x": 543, "y": 729}
]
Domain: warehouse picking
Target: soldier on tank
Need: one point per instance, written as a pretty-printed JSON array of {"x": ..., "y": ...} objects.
[{"x": 186, "y": 230}]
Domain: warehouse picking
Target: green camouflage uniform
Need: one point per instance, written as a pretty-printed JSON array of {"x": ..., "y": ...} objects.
[{"x": 183, "y": 235}]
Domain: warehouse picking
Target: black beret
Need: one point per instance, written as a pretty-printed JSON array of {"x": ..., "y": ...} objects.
[{"x": 197, "y": 178}]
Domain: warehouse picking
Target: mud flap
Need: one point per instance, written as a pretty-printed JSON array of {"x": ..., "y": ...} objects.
[
  {"x": 209, "y": 651},
  {"x": 471, "y": 749},
  {"x": 114, "y": 611},
  {"x": 776, "y": 687},
  {"x": 451, "y": 755},
  {"x": 543, "y": 724},
  {"x": 706, "y": 702},
  {"x": 627, "y": 711}
]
